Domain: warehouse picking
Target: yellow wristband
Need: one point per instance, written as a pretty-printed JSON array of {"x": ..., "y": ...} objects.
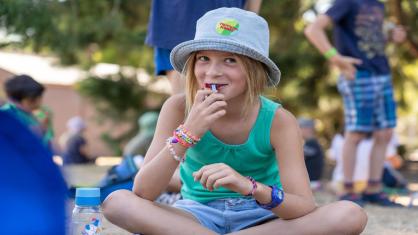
[{"x": 330, "y": 53}]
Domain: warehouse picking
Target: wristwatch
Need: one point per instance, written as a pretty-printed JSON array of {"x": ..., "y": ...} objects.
[{"x": 277, "y": 197}]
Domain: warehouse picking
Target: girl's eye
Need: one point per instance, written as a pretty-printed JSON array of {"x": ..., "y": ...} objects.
[
  {"x": 230, "y": 60},
  {"x": 202, "y": 58}
]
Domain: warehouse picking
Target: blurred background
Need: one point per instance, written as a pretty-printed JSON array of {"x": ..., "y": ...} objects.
[{"x": 92, "y": 59}]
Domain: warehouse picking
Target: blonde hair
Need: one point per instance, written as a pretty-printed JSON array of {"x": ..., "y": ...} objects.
[{"x": 256, "y": 80}]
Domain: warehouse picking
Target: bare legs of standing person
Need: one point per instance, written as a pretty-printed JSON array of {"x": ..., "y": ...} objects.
[
  {"x": 373, "y": 192},
  {"x": 351, "y": 141},
  {"x": 381, "y": 140},
  {"x": 377, "y": 158}
]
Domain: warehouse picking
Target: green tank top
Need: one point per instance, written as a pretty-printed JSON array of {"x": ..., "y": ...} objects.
[{"x": 255, "y": 158}]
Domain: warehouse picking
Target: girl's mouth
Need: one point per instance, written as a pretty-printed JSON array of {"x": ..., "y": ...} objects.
[{"x": 214, "y": 86}]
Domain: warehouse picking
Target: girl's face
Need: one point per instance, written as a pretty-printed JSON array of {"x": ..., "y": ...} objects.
[{"x": 222, "y": 69}]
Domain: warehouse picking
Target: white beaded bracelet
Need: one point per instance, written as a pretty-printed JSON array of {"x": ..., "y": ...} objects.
[{"x": 169, "y": 143}]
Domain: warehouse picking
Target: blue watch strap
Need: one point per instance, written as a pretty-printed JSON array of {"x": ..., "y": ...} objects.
[{"x": 277, "y": 196}]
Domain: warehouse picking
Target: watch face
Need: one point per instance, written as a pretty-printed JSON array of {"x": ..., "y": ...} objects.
[{"x": 280, "y": 194}]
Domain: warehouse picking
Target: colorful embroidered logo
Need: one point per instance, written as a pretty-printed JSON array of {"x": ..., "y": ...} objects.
[{"x": 227, "y": 27}]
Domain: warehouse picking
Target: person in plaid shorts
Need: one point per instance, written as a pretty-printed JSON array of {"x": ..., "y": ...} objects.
[{"x": 365, "y": 84}]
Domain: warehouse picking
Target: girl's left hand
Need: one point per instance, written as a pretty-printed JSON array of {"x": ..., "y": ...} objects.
[{"x": 219, "y": 174}]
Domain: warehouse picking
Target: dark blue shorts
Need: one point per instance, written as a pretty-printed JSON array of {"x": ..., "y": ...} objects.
[
  {"x": 162, "y": 61},
  {"x": 368, "y": 102}
]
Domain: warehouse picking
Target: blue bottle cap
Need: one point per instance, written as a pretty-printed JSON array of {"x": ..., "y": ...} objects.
[{"x": 87, "y": 196}]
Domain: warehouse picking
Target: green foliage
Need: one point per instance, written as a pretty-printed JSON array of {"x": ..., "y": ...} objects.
[
  {"x": 81, "y": 32},
  {"x": 112, "y": 143},
  {"x": 118, "y": 97},
  {"x": 15, "y": 17},
  {"x": 113, "y": 31}
]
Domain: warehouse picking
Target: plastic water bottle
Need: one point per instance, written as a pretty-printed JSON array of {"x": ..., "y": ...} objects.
[{"x": 87, "y": 215}]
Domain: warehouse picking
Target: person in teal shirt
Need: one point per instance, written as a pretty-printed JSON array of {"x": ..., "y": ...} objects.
[
  {"x": 240, "y": 154},
  {"x": 24, "y": 98},
  {"x": 45, "y": 116}
]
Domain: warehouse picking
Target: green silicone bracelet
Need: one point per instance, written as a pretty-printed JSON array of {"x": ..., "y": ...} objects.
[{"x": 330, "y": 53}]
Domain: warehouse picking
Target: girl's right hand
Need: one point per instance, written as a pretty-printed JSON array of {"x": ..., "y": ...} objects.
[{"x": 208, "y": 106}]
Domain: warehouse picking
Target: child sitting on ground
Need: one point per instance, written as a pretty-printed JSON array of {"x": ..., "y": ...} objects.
[
  {"x": 24, "y": 98},
  {"x": 240, "y": 154}
]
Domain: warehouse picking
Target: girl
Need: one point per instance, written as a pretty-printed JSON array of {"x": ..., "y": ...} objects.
[{"x": 240, "y": 154}]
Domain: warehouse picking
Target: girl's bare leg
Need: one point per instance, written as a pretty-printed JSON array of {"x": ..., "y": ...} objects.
[
  {"x": 342, "y": 218},
  {"x": 128, "y": 211}
]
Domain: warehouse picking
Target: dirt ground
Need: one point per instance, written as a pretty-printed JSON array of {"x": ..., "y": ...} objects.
[{"x": 382, "y": 221}]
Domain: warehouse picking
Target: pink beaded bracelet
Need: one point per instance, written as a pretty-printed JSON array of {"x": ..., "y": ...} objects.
[
  {"x": 169, "y": 143},
  {"x": 182, "y": 140},
  {"x": 254, "y": 183},
  {"x": 184, "y": 137}
]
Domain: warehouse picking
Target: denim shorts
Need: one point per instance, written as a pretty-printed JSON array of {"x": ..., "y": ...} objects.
[
  {"x": 227, "y": 215},
  {"x": 162, "y": 61},
  {"x": 368, "y": 102}
]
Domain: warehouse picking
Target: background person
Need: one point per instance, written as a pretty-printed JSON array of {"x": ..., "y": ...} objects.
[
  {"x": 391, "y": 177},
  {"x": 76, "y": 148},
  {"x": 174, "y": 21},
  {"x": 312, "y": 152},
  {"x": 139, "y": 144},
  {"x": 45, "y": 117},
  {"x": 365, "y": 84},
  {"x": 122, "y": 175},
  {"x": 24, "y": 98}
]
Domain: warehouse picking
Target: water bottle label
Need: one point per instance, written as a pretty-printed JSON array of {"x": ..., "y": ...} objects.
[{"x": 92, "y": 228}]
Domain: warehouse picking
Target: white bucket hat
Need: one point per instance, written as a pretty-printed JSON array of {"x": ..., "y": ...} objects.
[{"x": 232, "y": 30}]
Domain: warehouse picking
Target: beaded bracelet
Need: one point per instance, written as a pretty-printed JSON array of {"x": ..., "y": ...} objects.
[
  {"x": 185, "y": 137},
  {"x": 169, "y": 143},
  {"x": 254, "y": 183},
  {"x": 182, "y": 140},
  {"x": 277, "y": 196},
  {"x": 187, "y": 132}
]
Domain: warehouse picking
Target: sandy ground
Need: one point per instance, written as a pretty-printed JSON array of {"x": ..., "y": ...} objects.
[{"x": 382, "y": 221}]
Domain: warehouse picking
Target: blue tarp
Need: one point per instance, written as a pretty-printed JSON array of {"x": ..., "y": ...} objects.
[{"x": 33, "y": 191}]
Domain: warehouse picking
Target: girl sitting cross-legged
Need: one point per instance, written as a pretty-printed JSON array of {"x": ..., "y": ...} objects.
[{"x": 240, "y": 154}]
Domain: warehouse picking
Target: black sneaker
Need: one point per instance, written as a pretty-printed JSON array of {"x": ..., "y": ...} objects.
[
  {"x": 380, "y": 199},
  {"x": 353, "y": 197}
]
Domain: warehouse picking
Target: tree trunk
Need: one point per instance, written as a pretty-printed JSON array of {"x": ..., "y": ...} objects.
[{"x": 402, "y": 19}]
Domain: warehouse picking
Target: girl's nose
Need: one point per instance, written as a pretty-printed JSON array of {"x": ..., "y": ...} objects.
[{"x": 214, "y": 70}]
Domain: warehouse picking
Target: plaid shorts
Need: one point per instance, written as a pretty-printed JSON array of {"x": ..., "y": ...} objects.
[{"x": 368, "y": 102}]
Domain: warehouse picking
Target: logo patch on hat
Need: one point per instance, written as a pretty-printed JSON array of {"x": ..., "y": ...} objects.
[{"x": 227, "y": 27}]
